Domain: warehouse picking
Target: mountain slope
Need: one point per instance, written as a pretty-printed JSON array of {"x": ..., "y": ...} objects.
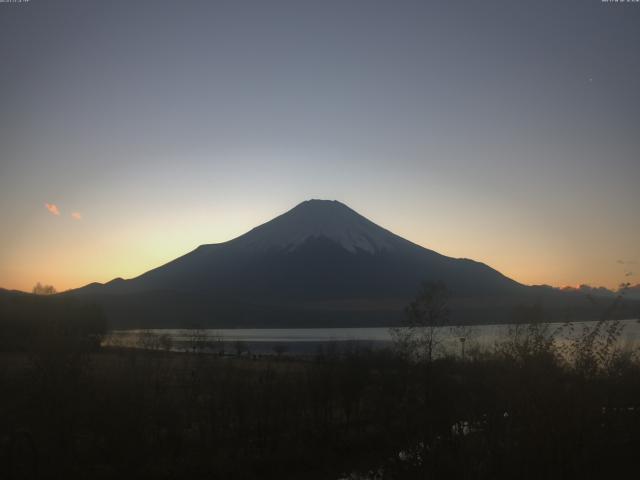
[
  {"x": 319, "y": 263},
  {"x": 318, "y": 248}
]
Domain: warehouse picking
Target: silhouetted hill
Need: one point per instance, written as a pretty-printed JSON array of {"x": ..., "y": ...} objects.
[
  {"x": 27, "y": 319},
  {"x": 320, "y": 263},
  {"x": 8, "y": 293},
  {"x": 633, "y": 292}
]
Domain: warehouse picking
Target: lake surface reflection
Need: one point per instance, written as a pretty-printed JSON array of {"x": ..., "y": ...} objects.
[{"x": 308, "y": 340}]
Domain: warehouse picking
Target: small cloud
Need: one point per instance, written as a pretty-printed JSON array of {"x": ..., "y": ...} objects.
[
  {"x": 76, "y": 216},
  {"x": 53, "y": 209}
]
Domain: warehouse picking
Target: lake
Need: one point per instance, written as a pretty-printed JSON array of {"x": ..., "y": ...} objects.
[{"x": 308, "y": 340}]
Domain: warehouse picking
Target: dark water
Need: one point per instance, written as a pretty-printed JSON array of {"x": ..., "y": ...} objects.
[{"x": 309, "y": 340}]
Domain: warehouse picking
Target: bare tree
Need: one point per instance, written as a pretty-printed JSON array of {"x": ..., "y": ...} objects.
[
  {"x": 429, "y": 311},
  {"x": 40, "y": 289},
  {"x": 530, "y": 335}
]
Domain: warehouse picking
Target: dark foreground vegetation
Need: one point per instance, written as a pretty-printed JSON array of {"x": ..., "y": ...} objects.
[{"x": 528, "y": 409}]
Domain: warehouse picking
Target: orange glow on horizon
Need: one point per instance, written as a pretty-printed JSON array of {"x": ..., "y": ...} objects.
[{"x": 70, "y": 254}]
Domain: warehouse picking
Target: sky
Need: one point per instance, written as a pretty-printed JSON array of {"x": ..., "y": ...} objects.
[{"x": 503, "y": 131}]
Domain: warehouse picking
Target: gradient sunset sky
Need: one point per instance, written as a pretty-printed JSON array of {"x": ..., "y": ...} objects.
[{"x": 504, "y": 131}]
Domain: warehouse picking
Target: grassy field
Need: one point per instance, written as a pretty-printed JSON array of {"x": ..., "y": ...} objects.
[{"x": 521, "y": 412}]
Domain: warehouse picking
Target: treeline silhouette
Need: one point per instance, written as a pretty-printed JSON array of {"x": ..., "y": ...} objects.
[
  {"x": 529, "y": 408},
  {"x": 39, "y": 321}
]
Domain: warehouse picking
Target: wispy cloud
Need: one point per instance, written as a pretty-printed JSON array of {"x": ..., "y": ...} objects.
[
  {"x": 53, "y": 209},
  {"x": 76, "y": 216}
]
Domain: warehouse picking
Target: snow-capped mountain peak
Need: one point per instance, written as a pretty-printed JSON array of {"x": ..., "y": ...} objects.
[{"x": 320, "y": 219}]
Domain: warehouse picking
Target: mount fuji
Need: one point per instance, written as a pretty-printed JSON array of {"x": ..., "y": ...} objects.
[{"x": 319, "y": 264}]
